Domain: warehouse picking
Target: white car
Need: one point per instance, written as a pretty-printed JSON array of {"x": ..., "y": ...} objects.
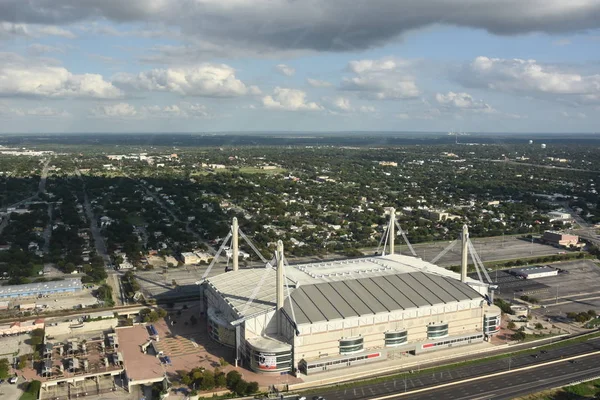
[{"x": 13, "y": 380}]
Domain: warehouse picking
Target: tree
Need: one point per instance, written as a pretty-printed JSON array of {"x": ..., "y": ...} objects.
[
  {"x": 220, "y": 379},
  {"x": 252, "y": 387},
  {"x": 511, "y": 325},
  {"x": 208, "y": 380},
  {"x": 232, "y": 379},
  {"x": 4, "y": 368},
  {"x": 240, "y": 387}
]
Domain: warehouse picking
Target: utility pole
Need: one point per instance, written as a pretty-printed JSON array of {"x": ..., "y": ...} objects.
[{"x": 531, "y": 247}]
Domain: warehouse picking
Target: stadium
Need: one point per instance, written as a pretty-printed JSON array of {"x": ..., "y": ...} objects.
[{"x": 314, "y": 317}]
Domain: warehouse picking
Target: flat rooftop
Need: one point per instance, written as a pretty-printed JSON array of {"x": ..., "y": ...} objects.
[
  {"x": 15, "y": 290},
  {"x": 534, "y": 270},
  {"x": 139, "y": 366}
]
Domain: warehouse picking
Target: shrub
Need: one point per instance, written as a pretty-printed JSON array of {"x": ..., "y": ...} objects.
[
  {"x": 252, "y": 387},
  {"x": 511, "y": 325},
  {"x": 240, "y": 387},
  {"x": 232, "y": 378}
]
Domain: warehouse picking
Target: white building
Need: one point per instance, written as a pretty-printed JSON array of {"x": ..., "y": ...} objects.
[{"x": 340, "y": 313}]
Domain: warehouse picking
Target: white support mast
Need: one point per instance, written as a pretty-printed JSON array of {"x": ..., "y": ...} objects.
[
  {"x": 280, "y": 279},
  {"x": 464, "y": 254},
  {"x": 235, "y": 244},
  {"x": 391, "y": 230}
]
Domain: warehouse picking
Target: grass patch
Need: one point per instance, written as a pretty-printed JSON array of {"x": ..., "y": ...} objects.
[{"x": 585, "y": 390}]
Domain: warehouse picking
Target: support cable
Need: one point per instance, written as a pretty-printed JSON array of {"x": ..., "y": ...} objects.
[
  {"x": 258, "y": 253},
  {"x": 285, "y": 263},
  {"x": 405, "y": 238},
  {"x": 214, "y": 260},
  {"x": 257, "y": 287},
  {"x": 443, "y": 252}
]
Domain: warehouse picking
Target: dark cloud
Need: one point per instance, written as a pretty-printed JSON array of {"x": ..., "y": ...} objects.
[{"x": 322, "y": 25}]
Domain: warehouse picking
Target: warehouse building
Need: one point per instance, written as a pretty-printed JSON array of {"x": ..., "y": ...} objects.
[
  {"x": 320, "y": 316},
  {"x": 560, "y": 239},
  {"x": 535, "y": 272},
  {"x": 42, "y": 288}
]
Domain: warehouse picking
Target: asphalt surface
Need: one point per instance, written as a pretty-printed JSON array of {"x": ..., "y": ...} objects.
[
  {"x": 416, "y": 380},
  {"x": 519, "y": 383}
]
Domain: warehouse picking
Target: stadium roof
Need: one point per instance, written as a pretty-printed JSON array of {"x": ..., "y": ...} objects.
[
  {"x": 240, "y": 286},
  {"x": 342, "y": 289},
  {"x": 367, "y": 296}
]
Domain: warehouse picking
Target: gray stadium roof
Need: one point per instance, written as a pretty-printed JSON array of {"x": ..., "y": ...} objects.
[
  {"x": 344, "y": 288},
  {"x": 367, "y": 296}
]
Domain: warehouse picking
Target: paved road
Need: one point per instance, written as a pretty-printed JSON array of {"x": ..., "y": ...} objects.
[
  {"x": 425, "y": 379},
  {"x": 517, "y": 384},
  {"x": 48, "y": 230},
  {"x": 98, "y": 239}
]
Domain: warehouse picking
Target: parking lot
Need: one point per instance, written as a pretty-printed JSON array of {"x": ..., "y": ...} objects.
[
  {"x": 489, "y": 249},
  {"x": 575, "y": 290},
  {"x": 10, "y": 345}
]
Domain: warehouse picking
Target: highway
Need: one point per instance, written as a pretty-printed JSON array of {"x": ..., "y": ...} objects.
[
  {"x": 415, "y": 381},
  {"x": 515, "y": 384}
]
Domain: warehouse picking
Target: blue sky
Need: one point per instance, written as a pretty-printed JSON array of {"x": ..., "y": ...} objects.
[{"x": 236, "y": 65}]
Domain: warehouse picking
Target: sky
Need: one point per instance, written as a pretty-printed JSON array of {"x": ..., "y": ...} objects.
[{"x": 289, "y": 65}]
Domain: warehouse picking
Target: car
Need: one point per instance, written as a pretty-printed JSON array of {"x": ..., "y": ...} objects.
[
  {"x": 535, "y": 355},
  {"x": 302, "y": 398},
  {"x": 1, "y": 381},
  {"x": 573, "y": 361},
  {"x": 544, "y": 351},
  {"x": 13, "y": 380}
]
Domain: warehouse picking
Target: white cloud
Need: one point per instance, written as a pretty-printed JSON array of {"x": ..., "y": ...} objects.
[
  {"x": 462, "y": 101},
  {"x": 428, "y": 114},
  {"x": 181, "y": 110},
  {"x": 39, "y": 49},
  {"x": 119, "y": 110},
  {"x": 529, "y": 77},
  {"x": 318, "y": 83},
  {"x": 23, "y": 77},
  {"x": 285, "y": 69},
  {"x": 46, "y": 112},
  {"x": 289, "y": 100},
  {"x": 343, "y": 105},
  {"x": 574, "y": 115},
  {"x": 10, "y": 30},
  {"x": 51, "y": 30},
  {"x": 205, "y": 80},
  {"x": 385, "y": 79}
]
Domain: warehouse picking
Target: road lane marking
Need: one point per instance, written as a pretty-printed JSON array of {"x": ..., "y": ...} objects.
[{"x": 477, "y": 378}]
